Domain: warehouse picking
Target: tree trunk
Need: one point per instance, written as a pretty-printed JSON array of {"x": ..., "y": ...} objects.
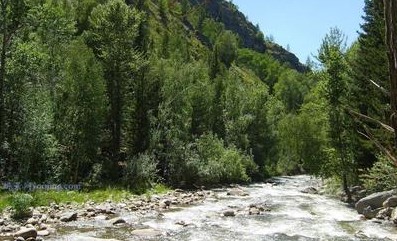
[
  {"x": 391, "y": 42},
  {"x": 3, "y": 70}
]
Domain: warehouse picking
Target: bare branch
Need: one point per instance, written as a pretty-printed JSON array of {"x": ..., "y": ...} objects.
[
  {"x": 384, "y": 91},
  {"x": 370, "y": 119},
  {"x": 382, "y": 148}
]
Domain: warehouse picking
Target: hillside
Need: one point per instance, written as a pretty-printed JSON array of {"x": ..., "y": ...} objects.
[
  {"x": 132, "y": 93},
  {"x": 251, "y": 37}
]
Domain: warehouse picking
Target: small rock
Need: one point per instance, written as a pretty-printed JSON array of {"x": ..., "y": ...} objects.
[
  {"x": 147, "y": 232},
  {"x": 26, "y": 233},
  {"x": 118, "y": 220},
  {"x": 36, "y": 213},
  {"x": 390, "y": 202},
  {"x": 102, "y": 209},
  {"x": 68, "y": 217},
  {"x": 7, "y": 229},
  {"x": 384, "y": 213},
  {"x": 29, "y": 225},
  {"x": 355, "y": 189},
  {"x": 43, "y": 233},
  {"x": 165, "y": 204},
  {"x": 254, "y": 211},
  {"x": 1, "y": 222},
  {"x": 54, "y": 206},
  {"x": 370, "y": 213},
  {"x": 43, "y": 218},
  {"x": 393, "y": 216},
  {"x": 32, "y": 221},
  {"x": 310, "y": 190},
  {"x": 19, "y": 239},
  {"x": 237, "y": 192},
  {"x": 229, "y": 213},
  {"x": 43, "y": 226},
  {"x": 90, "y": 209},
  {"x": 122, "y": 205},
  {"x": 360, "y": 234},
  {"x": 182, "y": 223}
]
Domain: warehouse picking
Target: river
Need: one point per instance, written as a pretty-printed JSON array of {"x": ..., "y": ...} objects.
[{"x": 291, "y": 216}]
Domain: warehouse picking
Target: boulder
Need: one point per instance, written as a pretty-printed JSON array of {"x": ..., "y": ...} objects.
[
  {"x": 391, "y": 202},
  {"x": 146, "y": 232},
  {"x": 374, "y": 200},
  {"x": 26, "y": 233},
  {"x": 68, "y": 217}
]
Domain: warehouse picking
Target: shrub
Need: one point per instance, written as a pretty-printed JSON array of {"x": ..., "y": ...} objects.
[
  {"x": 219, "y": 164},
  {"x": 140, "y": 173},
  {"x": 382, "y": 176},
  {"x": 21, "y": 203}
]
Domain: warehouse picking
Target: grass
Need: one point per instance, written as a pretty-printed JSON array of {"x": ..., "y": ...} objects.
[
  {"x": 45, "y": 198},
  {"x": 4, "y": 200}
]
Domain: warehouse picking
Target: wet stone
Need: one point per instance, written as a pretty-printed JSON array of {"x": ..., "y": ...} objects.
[
  {"x": 229, "y": 213},
  {"x": 26, "y": 233}
]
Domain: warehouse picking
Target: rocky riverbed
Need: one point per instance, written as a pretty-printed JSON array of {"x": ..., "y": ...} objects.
[
  {"x": 287, "y": 209},
  {"x": 52, "y": 220}
]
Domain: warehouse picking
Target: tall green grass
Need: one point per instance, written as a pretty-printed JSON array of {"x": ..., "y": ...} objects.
[{"x": 45, "y": 198}]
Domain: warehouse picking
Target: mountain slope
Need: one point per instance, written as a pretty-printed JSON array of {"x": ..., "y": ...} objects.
[{"x": 228, "y": 14}]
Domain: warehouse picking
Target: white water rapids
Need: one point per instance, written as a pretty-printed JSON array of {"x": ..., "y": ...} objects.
[{"x": 293, "y": 216}]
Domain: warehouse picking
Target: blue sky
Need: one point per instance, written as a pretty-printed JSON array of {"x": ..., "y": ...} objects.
[{"x": 302, "y": 24}]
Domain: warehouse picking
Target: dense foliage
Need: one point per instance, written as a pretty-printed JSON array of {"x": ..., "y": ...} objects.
[{"x": 139, "y": 92}]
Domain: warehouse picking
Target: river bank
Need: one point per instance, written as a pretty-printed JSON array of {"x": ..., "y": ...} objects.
[
  {"x": 283, "y": 210},
  {"x": 46, "y": 219}
]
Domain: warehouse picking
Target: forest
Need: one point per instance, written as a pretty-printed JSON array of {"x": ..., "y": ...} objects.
[{"x": 187, "y": 93}]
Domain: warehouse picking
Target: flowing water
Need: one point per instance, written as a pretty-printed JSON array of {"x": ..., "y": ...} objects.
[{"x": 293, "y": 216}]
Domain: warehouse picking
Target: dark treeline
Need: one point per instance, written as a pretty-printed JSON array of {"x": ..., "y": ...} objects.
[{"x": 135, "y": 92}]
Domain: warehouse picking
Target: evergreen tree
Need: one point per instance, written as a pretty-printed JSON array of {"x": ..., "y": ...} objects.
[
  {"x": 332, "y": 56},
  {"x": 80, "y": 109},
  {"x": 113, "y": 30}
]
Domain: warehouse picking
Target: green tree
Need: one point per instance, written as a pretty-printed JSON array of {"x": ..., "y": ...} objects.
[
  {"x": 368, "y": 60},
  {"x": 291, "y": 90},
  {"x": 332, "y": 55},
  {"x": 113, "y": 30},
  {"x": 80, "y": 109},
  {"x": 12, "y": 15},
  {"x": 226, "y": 48}
]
